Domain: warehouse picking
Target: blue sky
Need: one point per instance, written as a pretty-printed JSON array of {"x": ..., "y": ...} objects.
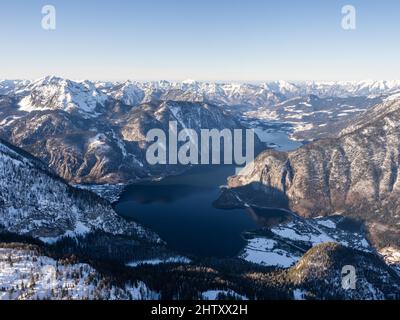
[{"x": 216, "y": 40}]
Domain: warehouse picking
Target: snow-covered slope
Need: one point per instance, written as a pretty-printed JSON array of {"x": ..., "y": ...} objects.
[
  {"x": 35, "y": 202},
  {"x": 312, "y": 117},
  {"x": 355, "y": 174},
  {"x": 12, "y": 86},
  {"x": 350, "y": 88},
  {"x": 318, "y": 275},
  {"x": 86, "y": 95},
  {"x": 110, "y": 148},
  {"x": 26, "y": 274},
  {"x": 128, "y": 92},
  {"x": 285, "y": 244},
  {"x": 52, "y": 93},
  {"x": 242, "y": 94}
]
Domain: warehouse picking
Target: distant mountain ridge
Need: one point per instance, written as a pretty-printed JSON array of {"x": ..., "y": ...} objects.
[
  {"x": 61, "y": 91},
  {"x": 313, "y": 117}
]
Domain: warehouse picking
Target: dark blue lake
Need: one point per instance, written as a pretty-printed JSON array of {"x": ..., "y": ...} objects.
[{"x": 180, "y": 209}]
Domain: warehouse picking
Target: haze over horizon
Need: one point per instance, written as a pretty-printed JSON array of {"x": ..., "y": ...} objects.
[{"x": 227, "y": 81}]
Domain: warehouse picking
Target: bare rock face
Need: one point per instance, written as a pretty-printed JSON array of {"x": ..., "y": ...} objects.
[
  {"x": 102, "y": 148},
  {"x": 355, "y": 174}
]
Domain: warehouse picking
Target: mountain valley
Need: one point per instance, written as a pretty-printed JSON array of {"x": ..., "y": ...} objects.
[{"x": 330, "y": 160}]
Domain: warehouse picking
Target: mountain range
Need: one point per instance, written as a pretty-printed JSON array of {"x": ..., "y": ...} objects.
[
  {"x": 94, "y": 132},
  {"x": 228, "y": 94},
  {"x": 341, "y": 186}
]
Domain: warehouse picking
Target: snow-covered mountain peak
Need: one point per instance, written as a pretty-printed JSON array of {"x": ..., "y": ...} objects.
[
  {"x": 189, "y": 81},
  {"x": 12, "y": 86},
  {"x": 281, "y": 86},
  {"x": 86, "y": 97},
  {"x": 127, "y": 92},
  {"x": 52, "y": 93},
  {"x": 49, "y": 80}
]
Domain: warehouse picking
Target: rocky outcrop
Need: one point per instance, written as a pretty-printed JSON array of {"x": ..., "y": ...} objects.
[
  {"x": 355, "y": 174},
  {"x": 110, "y": 148}
]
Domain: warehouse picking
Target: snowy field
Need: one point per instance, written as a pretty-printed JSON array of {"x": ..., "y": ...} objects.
[{"x": 287, "y": 244}]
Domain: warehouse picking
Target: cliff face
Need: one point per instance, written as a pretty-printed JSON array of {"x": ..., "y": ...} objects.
[
  {"x": 109, "y": 147},
  {"x": 355, "y": 174}
]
